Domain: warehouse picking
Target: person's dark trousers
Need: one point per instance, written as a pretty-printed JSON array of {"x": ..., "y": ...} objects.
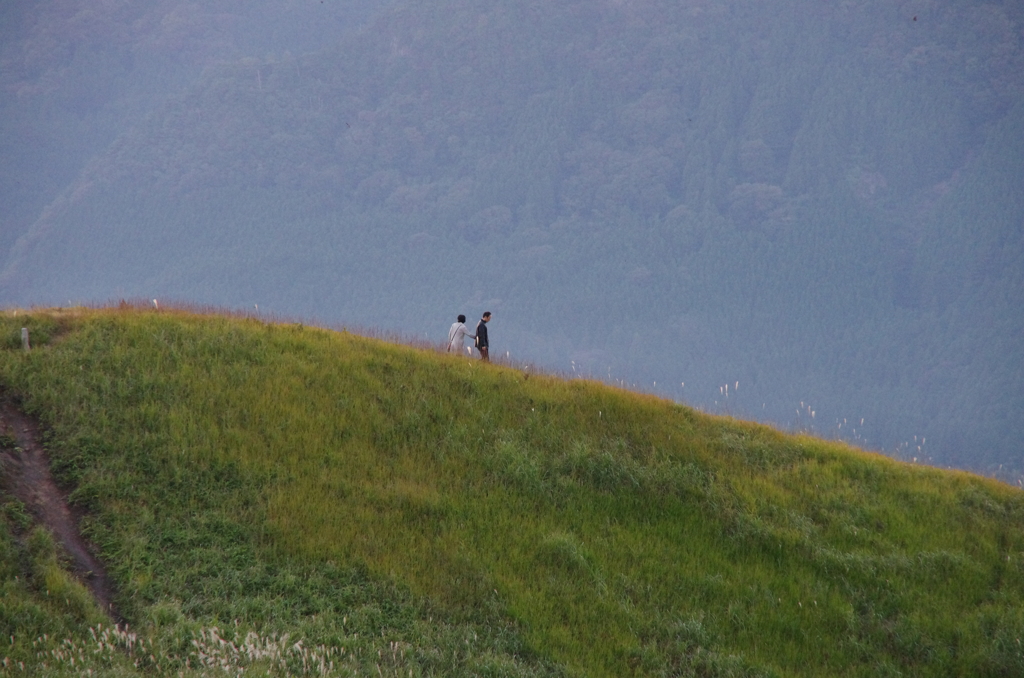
[{"x": 483, "y": 354}]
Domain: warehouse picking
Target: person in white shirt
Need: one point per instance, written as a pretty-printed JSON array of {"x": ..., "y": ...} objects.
[{"x": 457, "y": 334}]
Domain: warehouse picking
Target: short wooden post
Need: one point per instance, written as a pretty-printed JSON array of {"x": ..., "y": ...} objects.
[{"x": 24, "y": 338}]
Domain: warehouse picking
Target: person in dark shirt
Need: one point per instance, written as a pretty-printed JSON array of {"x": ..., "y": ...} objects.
[{"x": 481, "y": 336}]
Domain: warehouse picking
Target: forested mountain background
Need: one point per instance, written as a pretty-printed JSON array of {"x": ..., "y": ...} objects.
[{"x": 799, "y": 212}]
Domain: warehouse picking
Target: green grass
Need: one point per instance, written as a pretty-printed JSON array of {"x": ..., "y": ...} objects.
[{"x": 434, "y": 516}]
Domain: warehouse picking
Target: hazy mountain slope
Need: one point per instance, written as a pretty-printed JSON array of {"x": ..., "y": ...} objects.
[
  {"x": 703, "y": 193},
  {"x": 76, "y": 74},
  {"x": 399, "y": 511}
]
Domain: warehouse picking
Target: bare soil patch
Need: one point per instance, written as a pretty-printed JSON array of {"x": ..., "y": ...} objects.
[{"x": 26, "y": 475}]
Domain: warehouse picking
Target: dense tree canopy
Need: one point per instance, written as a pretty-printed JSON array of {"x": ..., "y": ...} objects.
[{"x": 821, "y": 203}]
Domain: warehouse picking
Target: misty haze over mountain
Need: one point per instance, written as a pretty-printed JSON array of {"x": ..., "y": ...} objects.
[{"x": 818, "y": 205}]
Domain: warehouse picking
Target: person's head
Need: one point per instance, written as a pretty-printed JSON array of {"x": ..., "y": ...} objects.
[
  {"x": 486, "y": 316},
  {"x": 462, "y": 318}
]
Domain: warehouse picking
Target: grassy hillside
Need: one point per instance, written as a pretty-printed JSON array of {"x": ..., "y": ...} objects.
[{"x": 410, "y": 513}]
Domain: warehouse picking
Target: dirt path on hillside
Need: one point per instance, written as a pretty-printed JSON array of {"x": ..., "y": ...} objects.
[{"x": 26, "y": 475}]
